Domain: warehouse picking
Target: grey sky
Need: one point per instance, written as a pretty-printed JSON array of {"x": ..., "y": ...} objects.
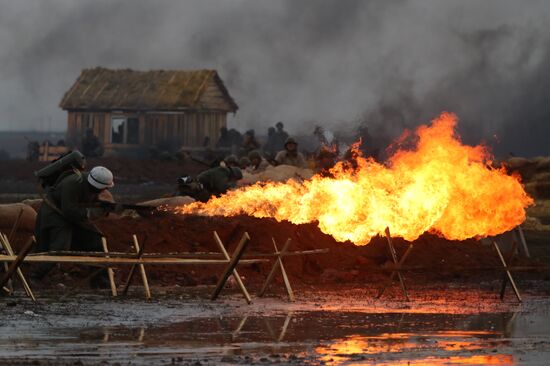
[{"x": 391, "y": 63}]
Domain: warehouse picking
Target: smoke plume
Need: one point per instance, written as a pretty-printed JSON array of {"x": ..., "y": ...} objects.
[{"x": 389, "y": 64}]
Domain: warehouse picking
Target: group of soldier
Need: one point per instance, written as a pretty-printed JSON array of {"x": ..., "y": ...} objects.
[{"x": 72, "y": 196}]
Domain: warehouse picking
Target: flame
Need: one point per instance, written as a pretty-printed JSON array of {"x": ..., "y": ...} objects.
[{"x": 439, "y": 186}]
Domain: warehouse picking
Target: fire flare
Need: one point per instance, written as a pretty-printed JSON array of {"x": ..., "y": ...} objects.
[{"x": 439, "y": 186}]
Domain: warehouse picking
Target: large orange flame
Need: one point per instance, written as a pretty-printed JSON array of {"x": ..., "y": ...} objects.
[{"x": 440, "y": 186}]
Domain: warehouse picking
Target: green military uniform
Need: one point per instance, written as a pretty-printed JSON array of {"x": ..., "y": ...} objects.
[
  {"x": 61, "y": 223},
  {"x": 219, "y": 179}
]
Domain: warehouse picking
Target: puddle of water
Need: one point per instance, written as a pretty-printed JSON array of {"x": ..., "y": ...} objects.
[{"x": 334, "y": 338}]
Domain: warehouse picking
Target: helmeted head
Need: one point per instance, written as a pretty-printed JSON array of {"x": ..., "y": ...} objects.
[
  {"x": 255, "y": 157},
  {"x": 244, "y": 162},
  {"x": 291, "y": 144},
  {"x": 101, "y": 178},
  {"x": 235, "y": 173},
  {"x": 280, "y": 125},
  {"x": 231, "y": 160}
]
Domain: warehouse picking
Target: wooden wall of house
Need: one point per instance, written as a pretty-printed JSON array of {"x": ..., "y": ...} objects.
[
  {"x": 189, "y": 128},
  {"x": 78, "y": 122}
]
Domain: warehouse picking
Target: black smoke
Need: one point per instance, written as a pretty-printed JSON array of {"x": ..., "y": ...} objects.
[{"x": 388, "y": 64}]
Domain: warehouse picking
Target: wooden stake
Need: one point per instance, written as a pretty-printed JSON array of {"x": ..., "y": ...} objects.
[
  {"x": 110, "y": 271},
  {"x": 283, "y": 272},
  {"x": 142, "y": 270},
  {"x": 276, "y": 265},
  {"x": 508, "y": 274},
  {"x": 235, "y": 273},
  {"x": 398, "y": 264},
  {"x": 523, "y": 241},
  {"x": 10, "y": 238},
  {"x": 17, "y": 262},
  {"x": 24, "y": 282},
  {"x": 509, "y": 260},
  {"x": 138, "y": 257},
  {"x": 232, "y": 264}
]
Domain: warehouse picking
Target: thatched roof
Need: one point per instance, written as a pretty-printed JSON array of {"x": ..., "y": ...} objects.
[{"x": 106, "y": 89}]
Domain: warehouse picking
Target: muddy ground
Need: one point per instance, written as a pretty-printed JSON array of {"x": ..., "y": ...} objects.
[{"x": 459, "y": 323}]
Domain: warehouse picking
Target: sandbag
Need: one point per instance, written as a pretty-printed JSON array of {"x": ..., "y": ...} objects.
[
  {"x": 34, "y": 203},
  {"x": 543, "y": 164},
  {"x": 169, "y": 201},
  {"x": 280, "y": 173},
  {"x": 516, "y": 163},
  {"x": 10, "y": 212}
]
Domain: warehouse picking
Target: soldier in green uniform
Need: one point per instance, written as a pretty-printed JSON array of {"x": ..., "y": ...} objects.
[
  {"x": 218, "y": 180},
  {"x": 63, "y": 223}
]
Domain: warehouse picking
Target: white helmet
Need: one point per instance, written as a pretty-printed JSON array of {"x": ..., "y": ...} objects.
[{"x": 101, "y": 178}]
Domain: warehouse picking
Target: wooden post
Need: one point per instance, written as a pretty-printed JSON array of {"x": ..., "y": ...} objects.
[
  {"x": 523, "y": 241},
  {"x": 397, "y": 264},
  {"x": 283, "y": 271},
  {"x": 142, "y": 270},
  {"x": 10, "y": 238},
  {"x": 232, "y": 264},
  {"x": 509, "y": 262},
  {"x": 508, "y": 274},
  {"x": 17, "y": 262},
  {"x": 235, "y": 273},
  {"x": 24, "y": 282},
  {"x": 278, "y": 263},
  {"x": 110, "y": 271}
]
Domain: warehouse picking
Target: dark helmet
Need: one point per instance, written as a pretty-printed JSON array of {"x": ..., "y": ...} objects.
[
  {"x": 290, "y": 140},
  {"x": 254, "y": 154},
  {"x": 231, "y": 159},
  {"x": 280, "y": 124},
  {"x": 244, "y": 162},
  {"x": 235, "y": 172}
]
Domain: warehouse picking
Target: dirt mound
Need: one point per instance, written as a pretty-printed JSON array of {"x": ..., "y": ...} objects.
[{"x": 344, "y": 263}]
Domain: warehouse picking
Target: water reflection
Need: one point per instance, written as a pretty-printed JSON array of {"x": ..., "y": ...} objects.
[{"x": 334, "y": 338}]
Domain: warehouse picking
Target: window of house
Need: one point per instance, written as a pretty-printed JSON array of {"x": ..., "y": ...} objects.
[{"x": 124, "y": 130}]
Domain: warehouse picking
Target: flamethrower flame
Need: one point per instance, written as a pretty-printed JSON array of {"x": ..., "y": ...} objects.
[{"x": 439, "y": 186}]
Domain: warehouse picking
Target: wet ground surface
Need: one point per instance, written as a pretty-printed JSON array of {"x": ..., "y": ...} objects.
[{"x": 339, "y": 326}]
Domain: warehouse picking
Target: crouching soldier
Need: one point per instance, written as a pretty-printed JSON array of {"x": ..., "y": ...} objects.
[
  {"x": 219, "y": 180},
  {"x": 65, "y": 219}
]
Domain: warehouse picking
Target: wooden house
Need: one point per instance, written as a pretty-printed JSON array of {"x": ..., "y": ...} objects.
[{"x": 128, "y": 110}]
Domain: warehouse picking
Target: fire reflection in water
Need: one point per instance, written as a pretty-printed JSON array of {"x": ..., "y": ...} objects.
[{"x": 437, "y": 348}]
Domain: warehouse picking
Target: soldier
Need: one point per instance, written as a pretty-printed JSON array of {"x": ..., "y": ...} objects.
[
  {"x": 64, "y": 223},
  {"x": 225, "y": 139},
  {"x": 244, "y": 163},
  {"x": 257, "y": 162},
  {"x": 270, "y": 147},
  {"x": 230, "y": 160},
  {"x": 281, "y": 136},
  {"x": 217, "y": 181},
  {"x": 249, "y": 143},
  {"x": 290, "y": 155},
  {"x": 91, "y": 147}
]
